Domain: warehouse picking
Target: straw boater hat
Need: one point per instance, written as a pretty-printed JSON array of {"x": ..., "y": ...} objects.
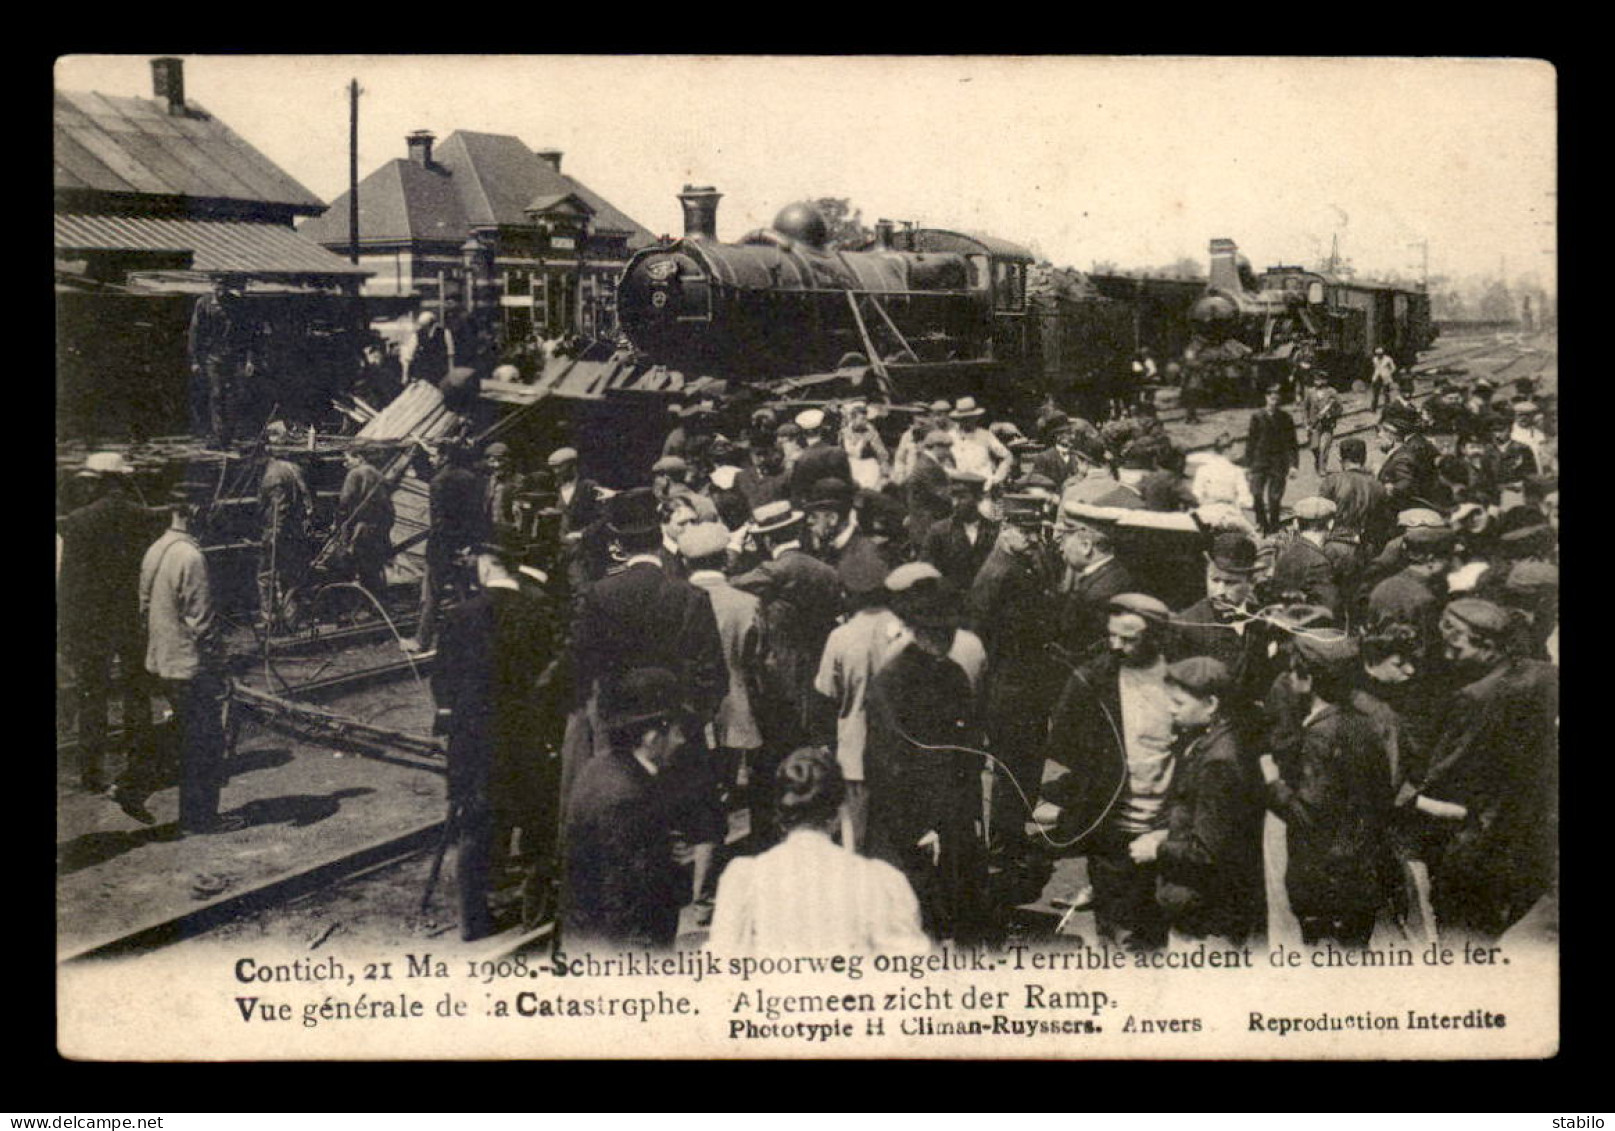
[
  {"x": 105, "y": 463},
  {"x": 966, "y": 409},
  {"x": 774, "y": 516}
]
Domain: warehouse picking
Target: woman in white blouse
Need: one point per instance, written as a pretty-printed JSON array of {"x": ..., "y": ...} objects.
[{"x": 809, "y": 895}]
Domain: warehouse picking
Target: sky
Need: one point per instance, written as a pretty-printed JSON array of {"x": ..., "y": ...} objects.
[{"x": 1137, "y": 161}]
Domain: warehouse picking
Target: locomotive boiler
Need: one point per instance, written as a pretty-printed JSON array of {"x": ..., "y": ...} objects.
[{"x": 939, "y": 312}]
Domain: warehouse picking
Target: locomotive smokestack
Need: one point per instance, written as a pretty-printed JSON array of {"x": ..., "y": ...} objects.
[
  {"x": 883, "y": 234},
  {"x": 700, "y": 211},
  {"x": 1225, "y": 266}
]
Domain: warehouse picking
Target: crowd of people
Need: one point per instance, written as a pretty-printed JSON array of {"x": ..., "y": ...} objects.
[{"x": 924, "y": 669}]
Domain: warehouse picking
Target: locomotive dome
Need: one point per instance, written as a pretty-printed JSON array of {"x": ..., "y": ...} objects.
[
  {"x": 1214, "y": 308},
  {"x": 804, "y": 223}
]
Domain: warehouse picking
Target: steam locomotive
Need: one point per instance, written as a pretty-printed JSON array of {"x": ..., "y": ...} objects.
[
  {"x": 1270, "y": 322},
  {"x": 937, "y": 312}
]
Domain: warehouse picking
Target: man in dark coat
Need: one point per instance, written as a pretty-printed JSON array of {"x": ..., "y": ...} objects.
[
  {"x": 925, "y": 803},
  {"x": 459, "y": 518},
  {"x": 959, "y": 544},
  {"x": 1093, "y": 575},
  {"x": 285, "y": 512},
  {"x": 1409, "y": 471},
  {"x": 928, "y": 499},
  {"x": 1485, "y": 808},
  {"x": 98, "y": 614},
  {"x": 1218, "y": 625},
  {"x": 365, "y": 519},
  {"x": 1210, "y": 861},
  {"x": 222, "y": 340},
  {"x": 833, "y": 526},
  {"x": 1271, "y": 458},
  {"x": 1304, "y": 566},
  {"x": 638, "y": 616},
  {"x": 495, "y": 649},
  {"x": 1012, "y": 606},
  {"x": 1357, "y": 495},
  {"x": 624, "y": 889},
  {"x": 432, "y": 352},
  {"x": 1333, "y": 791},
  {"x": 766, "y": 480},
  {"x": 801, "y": 599}
]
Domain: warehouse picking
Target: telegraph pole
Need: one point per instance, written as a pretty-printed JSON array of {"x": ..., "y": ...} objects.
[
  {"x": 1424, "y": 247},
  {"x": 353, "y": 172}
]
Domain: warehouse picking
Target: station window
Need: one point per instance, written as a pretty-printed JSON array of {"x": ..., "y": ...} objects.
[
  {"x": 518, "y": 283},
  {"x": 1010, "y": 285}
]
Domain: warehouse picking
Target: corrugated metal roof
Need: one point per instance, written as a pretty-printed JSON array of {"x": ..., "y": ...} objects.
[
  {"x": 476, "y": 180},
  {"x": 219, "y": 245},
  {"x": 133, "y": 145}
]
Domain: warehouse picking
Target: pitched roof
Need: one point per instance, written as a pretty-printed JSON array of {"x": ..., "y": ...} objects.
[
  {"x": 133, "y": 145},
  {"x": 219, "y": 246},
  {"x": 476, "y": 180}
]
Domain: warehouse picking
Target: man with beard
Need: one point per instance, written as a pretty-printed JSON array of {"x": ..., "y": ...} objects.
[
  {"x": 766, "y": 480},
  {"x": 1485, "y": 807},
  {"x": 1210, "y": 856},
  {"x": 958, "y": 545},
  {"x": 1112, "y": 729},
  {"x": 833, "y": 527},
  {"x": 1012, "y": 604}
]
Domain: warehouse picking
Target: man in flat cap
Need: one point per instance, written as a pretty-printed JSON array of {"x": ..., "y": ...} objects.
[
  {"x": 98, "y": 615},
  {"x": 1412, "y": 595},
  {"x": 820, "y": 459},
  {"x": 866, "y": 451},
  {"x": 623, "y": 886},
  {"x": 1485, "y": 809},
  {"x": 1304, "y": 566},
  {"x": 1321, "y": 411},
  {"x": 495, "y": 648},
  {"x": 1271, "y": 458},
  {"x": 365, "y": 516},
  {"x": 1332, "y": 788},
  {"x": 1209, "y": 854},
  {"x": 1112, "y": 730},
  {"x": 801, "y": 600},
  {"x": 960, "y": 543},
  {"x": 1514, "y": 462},
  {"x": 1014, "y": 605},
  {"x": 504, "y": 483}
]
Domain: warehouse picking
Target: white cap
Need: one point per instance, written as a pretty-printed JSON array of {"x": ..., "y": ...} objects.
[{"x": 809, "y": 419}]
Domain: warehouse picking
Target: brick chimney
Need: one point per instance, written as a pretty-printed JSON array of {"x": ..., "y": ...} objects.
[
  {"x": 420, "y": 146},
  {"x": 1225, "y": 266},
  {"x": 700, "y": 211},
  {"x": 552, "y": 157},
  {"x": 168, "y": 83}
]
